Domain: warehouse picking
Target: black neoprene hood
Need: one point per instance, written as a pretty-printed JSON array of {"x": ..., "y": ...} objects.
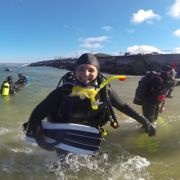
[{"x": 87, "y": 58}]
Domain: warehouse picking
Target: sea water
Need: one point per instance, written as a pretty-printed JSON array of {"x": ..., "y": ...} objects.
[{"x": 126, "y": 153}]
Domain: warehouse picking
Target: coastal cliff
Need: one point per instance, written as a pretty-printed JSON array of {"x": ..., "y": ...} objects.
[{"x": 129, "y": 65}]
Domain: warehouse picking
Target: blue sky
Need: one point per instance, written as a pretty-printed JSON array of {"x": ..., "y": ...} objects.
[{"x": 35, "y": 30}]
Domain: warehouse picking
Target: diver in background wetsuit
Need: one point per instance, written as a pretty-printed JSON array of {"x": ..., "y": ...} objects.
[
  {"x": 60, "y": 107},
  {"x": 152, "y": 91},
  {"x": 9, "y": 86},
  {"x": 172, "y": 81},
  {"x": 23, "y": 80}
]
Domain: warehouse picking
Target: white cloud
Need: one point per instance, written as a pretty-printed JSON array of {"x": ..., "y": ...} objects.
[
  {"x": 175, "y": 9},
  {"x": 177, "y": 33},
  {"x": 143, "y": 49},
  {"x": 107, "y": 28},
  {"x": 177, "y": 50},
  {"x": 144, "y": 16},
  {"x": 93, "y": 42},
  {"x": 77, "y": 53}
]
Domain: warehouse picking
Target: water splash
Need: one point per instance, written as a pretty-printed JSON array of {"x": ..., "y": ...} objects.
[
  {"x": 131, "y": 168},
  {"x": 3, "y": 131},
  {"x": 25, "y": 150},
  {"x": 100, "y": 167},
  {"x": 74, "y": 166}
]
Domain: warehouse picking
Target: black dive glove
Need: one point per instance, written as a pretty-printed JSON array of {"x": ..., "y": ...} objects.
[
  {"x": 34, "y": 129},
  {"x": 149, "y": 128},
  {"x": 41, "y": 140}
]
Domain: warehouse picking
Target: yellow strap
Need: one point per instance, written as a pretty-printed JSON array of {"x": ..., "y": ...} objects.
[{"x": 92, "y": 93}]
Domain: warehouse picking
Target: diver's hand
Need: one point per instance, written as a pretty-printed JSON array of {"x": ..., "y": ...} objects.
[
  {"x": 150, "y": 129},
  {"x": 41, "y": 140}
]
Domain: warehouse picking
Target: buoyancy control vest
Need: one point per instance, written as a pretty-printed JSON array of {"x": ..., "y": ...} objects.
[
  {"x": 106, "y": 109},
  {"x": 5, "y": 89},
  {"x": 149, "y": 88}
]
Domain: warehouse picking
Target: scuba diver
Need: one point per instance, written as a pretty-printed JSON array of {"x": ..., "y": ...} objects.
[
  {"x": 172, "y": 81},
  {"x": 22, "y": 81},
  {"x": 152, "y": 90},
  {"x": 66, "y": 104},
  {"x": 8, "y": 87}
]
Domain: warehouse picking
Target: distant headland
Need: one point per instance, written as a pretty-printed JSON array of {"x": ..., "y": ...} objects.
[{"x": 127, "y": 64}]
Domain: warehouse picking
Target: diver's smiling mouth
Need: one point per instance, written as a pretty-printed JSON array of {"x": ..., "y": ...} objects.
[{"x": 84, "y": 79}]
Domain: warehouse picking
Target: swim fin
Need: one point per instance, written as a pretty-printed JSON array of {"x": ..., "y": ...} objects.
[{"x": 75, "y": 138}]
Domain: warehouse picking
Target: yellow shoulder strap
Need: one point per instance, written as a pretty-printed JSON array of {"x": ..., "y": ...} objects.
[{"x": 92, "y": 93}]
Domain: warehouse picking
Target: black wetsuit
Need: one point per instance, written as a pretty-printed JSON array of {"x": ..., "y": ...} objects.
[
  {"x": 151, "y": 106},
  {"x": 156, "y": 85},
  {"x": 59, "y": 106},
  {"x": 22, "y": 81}
]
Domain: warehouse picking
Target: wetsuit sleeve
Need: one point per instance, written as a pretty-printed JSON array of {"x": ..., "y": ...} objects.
[
  {"x": 34, "y": 127},
  {"x": 48, "y": 105},
  {"x": 125, "y": 108}
]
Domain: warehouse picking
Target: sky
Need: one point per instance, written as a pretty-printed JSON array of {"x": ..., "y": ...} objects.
[{"x": 36, "y": 30}]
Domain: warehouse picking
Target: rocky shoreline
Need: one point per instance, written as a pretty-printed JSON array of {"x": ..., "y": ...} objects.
[{"x": 128, "y": 65}]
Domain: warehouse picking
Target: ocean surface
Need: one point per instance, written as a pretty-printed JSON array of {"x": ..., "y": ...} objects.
[{"x": 126, "y": 153}]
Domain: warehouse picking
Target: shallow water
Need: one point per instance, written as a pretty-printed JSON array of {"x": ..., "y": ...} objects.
[{"x": 126, "y": 153}]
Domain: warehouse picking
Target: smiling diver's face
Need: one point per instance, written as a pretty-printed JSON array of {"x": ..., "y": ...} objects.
[{"x": 86, "y": 73}]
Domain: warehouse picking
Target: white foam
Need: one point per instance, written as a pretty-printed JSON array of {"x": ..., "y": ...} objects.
[
  {"x": 22, "y": 150},
  {"x": 132, "y": 168},
  {"x": 3, "y": 130}
]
